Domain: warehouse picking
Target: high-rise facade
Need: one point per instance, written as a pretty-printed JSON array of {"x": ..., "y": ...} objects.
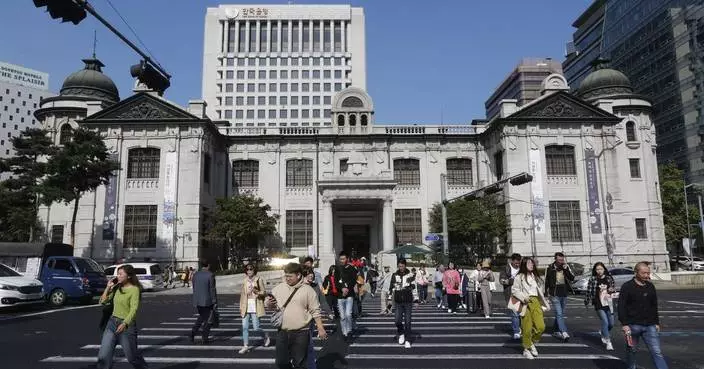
[
  {"x": 281, "y": 65},
  {"x": 524, "y": 84},
  {"x": 659, "y": 45},
  {"x": 21, "y": 90},
  {"x": 585, "y": 46}
]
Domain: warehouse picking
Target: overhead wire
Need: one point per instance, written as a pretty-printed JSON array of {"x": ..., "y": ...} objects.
[{"x": 134, "y": 33}]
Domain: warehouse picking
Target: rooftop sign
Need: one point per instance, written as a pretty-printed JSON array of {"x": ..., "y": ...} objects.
[{"x": 23, "y": 76}]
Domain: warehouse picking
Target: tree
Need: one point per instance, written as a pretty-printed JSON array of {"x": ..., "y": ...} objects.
[
  {"x": 81, "y": 165},
  {"x": 240, "y": 222},
  {"x": 673, "y": 206},
  {"x": 475, "y": 227},
  {"x": 23, "y": 190}
]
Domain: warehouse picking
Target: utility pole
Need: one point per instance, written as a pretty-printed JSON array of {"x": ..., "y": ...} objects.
[
  {"x": 686, "y": 209},
  {"x": 443, "y": 199},
  {"x": 701, "y": 214}
]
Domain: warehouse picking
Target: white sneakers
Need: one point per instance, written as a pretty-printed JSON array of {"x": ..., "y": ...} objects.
[
  {"x": 449, "y": 310},
  {"x": 407, "y": 345},
  {"x": 516, "y": 336},
  {"x": 401, "y": 339},
  {"x": 244, "y": 350},
  {"x": 533, "y": 350},
  {"x": 487, "y": 316},
  {"x": 267, "y": 342},
  {"x": 528, "y": 355},
  {"x": 565, "y": 336},
  {"x": 607, "y": 343}
]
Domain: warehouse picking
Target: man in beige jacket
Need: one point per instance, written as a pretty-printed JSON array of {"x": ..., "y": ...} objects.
[{"x": 293, "y": 338}]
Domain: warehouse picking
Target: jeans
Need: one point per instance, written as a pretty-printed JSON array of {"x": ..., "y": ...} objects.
[
  {"x": 311, "y": 348},
  {"x": 559, "y": 304},
  {"x": 346, "y": 305},
  {"x": 423, "y": 292},
  {"x": 255, "y": 327},
  {"x": 128, "y": 341},
  {"x": 607, "y": 322},
  {"x": 532, "y": 324},
  {"x": 652, "y": 340},
  {"x": 292, "y": 349},
  {"x": 204, "y": 313},
  {"x": 438, "y": 294},
  {"x": 515, "y": 321},
  {"x": 403, "y": 319}
]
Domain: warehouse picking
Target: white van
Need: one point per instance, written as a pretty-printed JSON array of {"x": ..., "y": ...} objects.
[{"x": 149, "y": 274}]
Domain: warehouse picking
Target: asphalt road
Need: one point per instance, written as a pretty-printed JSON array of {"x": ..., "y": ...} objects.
[{"x": 69, "y": 338}]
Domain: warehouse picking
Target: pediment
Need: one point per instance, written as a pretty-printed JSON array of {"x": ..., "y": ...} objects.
[
  {"x": 561, "y": 106},
  {"x": 142, "y": 107}
]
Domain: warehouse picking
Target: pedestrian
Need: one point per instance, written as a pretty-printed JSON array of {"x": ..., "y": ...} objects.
[
  {"x": 451, "y": 284},
  {"x": 124, "y": 293},
  {"x": 205, "y": 300},
  {"x": 438, "y": 287},
  {"x": 528, "y": 290},
  {"x": 506, "y": 277},
  {"x": 464, "y": 289},
  {"x": 252, "y": 297},
  {"x": 638, "y": 314},
  {"x": 486, "y": 280},
  {"x": 599, "y": 289},
  {"x": 402, "y": 285},
  {"x": 422, "y": 284},
  {"x": 299, "y": 304},
  {"x": 373, "y": 280},
  {"x": 309, "y": 279},
  {"x": 558, "y": 277},
  {"x": 329, "y": 288},
  {"x": 386, "y": 298},
  {"x": 346, "y": 275}
]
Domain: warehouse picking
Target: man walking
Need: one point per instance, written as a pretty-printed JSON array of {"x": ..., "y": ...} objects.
[
  {"x": 638, "y": 314},
  {"x": 506, "y": 277},
  {"x": 346, "y": 275},
  {"x": 299, "y": 305},
  {"x": 557, "y": 281},
  {"x": 205, "y": 300},
  {"x": 402, "y": 285}
]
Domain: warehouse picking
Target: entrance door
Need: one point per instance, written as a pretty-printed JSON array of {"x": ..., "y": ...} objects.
[{"x": 356, "y": 239}]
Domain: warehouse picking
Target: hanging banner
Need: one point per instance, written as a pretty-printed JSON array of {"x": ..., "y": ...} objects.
[
  {"x": 592, "y": 191},
  {"x": 536, "y": 170},
  {"x": 169, "y": 213},
  {"x": 110, "y": 210}
]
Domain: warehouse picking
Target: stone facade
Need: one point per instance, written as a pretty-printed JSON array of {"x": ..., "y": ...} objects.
[{"x": 364, "y": 187}]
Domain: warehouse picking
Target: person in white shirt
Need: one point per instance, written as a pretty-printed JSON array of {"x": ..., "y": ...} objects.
[{"x": 437, "y": 284}]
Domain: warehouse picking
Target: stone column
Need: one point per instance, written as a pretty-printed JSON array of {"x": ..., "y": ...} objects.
[
  {"x": 328, "y": 228},
  {"x": 388, "y": 225}
]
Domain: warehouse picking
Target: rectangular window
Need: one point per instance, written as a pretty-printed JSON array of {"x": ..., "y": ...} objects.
[
  {"x": 261, "y": 113},
  {"x": 245, "y": 173},
  {"x": 261, "y": 100},
  {"x": 284, "y": 38},
  {"x": 299, "y": 228},
  {"x": 243, "y": 38},
  {"x": 305, "y": 113},
  {"x": 294, "y": 113},
  {"x": 283, "y": 100},
  {"x": 305, "y": 74},
  {"x": 252, "y": 37},
  {"x": 228, "y": 87},
  {"x": 408, "y": 226},
  {"x": 239, "y": 101},
  {"x": 565, "y": 221},
  {"x": 230, "y": 74},
  {"x": 327, "y": 100},
  {"x": 316, "y": 36},
  {"x": 283, "y": 113},
  {"x": 641, "y": 231},
  {"x": 407, "y": 172},
  {"x": 57, "y": 234},
  {"x": 294, "y": 74},
  {"x": 231, "y": 37},
  {"x": 262, "y": 36},
  {"x": 294, "y": 87},
  {"x": 338, "y": 36},
  {"x": 272, "y": 100},
  {"x": 499, "y": 164},
  {"x": 560, "y": 160},
  {"x": 250, "y": 100},
  {"x": 206, "y": 169},
  {"x": 240, "y": 74},
  {"x": 295, "y": 39},
  {"x": 327, "y": 113},
  {"x": 272, "y": 114},
  {"x": 326, "y": 37},
  {"x": 338, "y": 87},
  {"x": 240, "y": 62},
  {"x": 284, "y": 74},
  {"x": 327, "y": 74},
  {"x": 634, "y": 165},
  {"x": 316, "y": 74},
  {"x": 294, "y": 100},
  {"x": 316, "y": 87},
  {"x": 261, "y": 87},
  {"x": 283, "y": 87},
  {"x": 272, "y": 74},
  {"x": 250, "y": 87},
  {"x": 305, "y": 100},
  {"x": 250, "y": 114},
  {"x": 228, "y": 100},
  {"x": 274, "y": 37},
  {"x": 238, "y": 114},
  {"x": 240, "y": 87},
  {"x": 262, "y": 74},
  {"x": 305, "y": 87},
  {"x": 143, "y": 163},
  {"x": 272, "y": 87},
  {"x": 459, "y": 172},
  {"x": 343, "y": 166},
  {"x": 299, "y": 173},
  {"x": 140, "y": 226},
  {"x": 306, "y": 36},
  {"x": 316, "y": 113},
  {"x": 316, "y": 100}
]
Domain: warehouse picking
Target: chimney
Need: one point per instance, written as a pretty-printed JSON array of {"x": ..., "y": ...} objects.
[
  {"x": 93, "y": 107},
  {"x": 507, "y": 107},
  {"x": 197, "y": 108}
]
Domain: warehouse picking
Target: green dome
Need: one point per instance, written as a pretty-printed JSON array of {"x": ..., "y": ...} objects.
[
  {"x": 90, "y": 82},
  {"x": 604, "y": 82}
]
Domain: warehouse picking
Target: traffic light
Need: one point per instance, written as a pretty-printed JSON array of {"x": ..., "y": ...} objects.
[
  {"x": 67, "y": 10},
  {"x": 148, "y": 75},
  {"x": 520, "y": 179},
  {"x": 494, "y": 188}
]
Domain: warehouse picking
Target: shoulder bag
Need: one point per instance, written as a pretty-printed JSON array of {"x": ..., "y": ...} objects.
[{"x": 277, "y": 319}]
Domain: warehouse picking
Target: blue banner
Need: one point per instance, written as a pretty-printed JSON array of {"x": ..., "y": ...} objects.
[{"x": 593, "y": 191}]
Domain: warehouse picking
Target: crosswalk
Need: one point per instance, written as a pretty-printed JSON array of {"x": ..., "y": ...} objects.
[{"x": 440, "y": 340}]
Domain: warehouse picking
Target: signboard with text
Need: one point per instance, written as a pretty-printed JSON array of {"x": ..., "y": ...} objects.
[{"x": 23, "y": 76}]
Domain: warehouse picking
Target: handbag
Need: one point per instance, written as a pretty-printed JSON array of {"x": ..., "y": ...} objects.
[
  {"x": 515, "y": 304},
  {"x": 492, "y": 286},
  {"x": 277, "y": 319},
  {"x": 214, "y": 319}
]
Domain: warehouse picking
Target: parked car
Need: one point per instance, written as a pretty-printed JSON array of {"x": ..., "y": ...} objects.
[
  {"x": 150, "y": 275},
  {"x": 16, "y": 289},
  {"x": 688, "y": 263},
  {"x": 620, "y": 275}
]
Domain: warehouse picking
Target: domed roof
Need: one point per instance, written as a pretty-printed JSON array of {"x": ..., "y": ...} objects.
[
  {"x": 90, "y": 82},
  {"x": 604, "y": 82}
]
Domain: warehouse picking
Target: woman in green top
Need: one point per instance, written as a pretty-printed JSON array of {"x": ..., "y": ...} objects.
[{"x": 122, "y": 326}]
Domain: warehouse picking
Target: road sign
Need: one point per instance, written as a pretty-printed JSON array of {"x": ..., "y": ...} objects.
[{"x": 432, "y": 237}]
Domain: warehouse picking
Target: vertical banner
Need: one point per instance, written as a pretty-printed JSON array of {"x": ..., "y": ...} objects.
[
  {"x": 169, "y": 212},
  {"x": 109, "y": 208},
  {"x": 536, "y": 170},
  {"x": 592, "y": 191}
]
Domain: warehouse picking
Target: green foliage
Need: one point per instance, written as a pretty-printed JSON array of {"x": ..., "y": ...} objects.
[
  {"x": 673, "y": 206},
  {"x": 475, "y": 227},
  {"x": 240, "y": 222}
]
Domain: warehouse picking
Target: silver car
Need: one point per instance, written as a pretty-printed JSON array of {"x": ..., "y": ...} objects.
[{"x": 620, "y": 275}]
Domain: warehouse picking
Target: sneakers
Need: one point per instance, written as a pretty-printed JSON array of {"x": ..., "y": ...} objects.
[
  {"x": 449, "y": 310},
  {"x": 609, "y": 346},
  {"x": 528, "y": 355},
  {"x": 565, "y": 336},
  {"x": 401, "y": 339},
  {"x": 533, "y": 350},
  {"x": 516, "y": 336},
  {"x": 267, "y": 342},
  {"x": 244, "y": 350},
  {"x": 407, "y": 344},
  {"x": 487, "y": 316},
  {"x": 439, "y": 305},
  {"x": 604, "y": 340}
]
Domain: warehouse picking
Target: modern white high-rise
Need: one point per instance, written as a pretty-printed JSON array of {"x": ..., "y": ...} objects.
[{"x": 281, "y": 65}]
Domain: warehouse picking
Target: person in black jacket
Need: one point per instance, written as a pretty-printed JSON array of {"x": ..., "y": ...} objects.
[
  {"x": 558, "y": 277},
  {"x": 506, "y": 277},
  {"x": 401, "y": 288},
  {"x": 346, "y": 275},
  {"x": 638, "y": 314}
]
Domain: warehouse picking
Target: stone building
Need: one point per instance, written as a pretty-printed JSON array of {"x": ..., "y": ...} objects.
[{"x": 364, "y": 187}]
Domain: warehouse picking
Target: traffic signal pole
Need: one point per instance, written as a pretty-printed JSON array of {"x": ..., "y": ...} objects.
[{"x": 443, "y": 198}]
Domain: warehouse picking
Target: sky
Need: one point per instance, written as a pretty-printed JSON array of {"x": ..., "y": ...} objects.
[{"x": 428, "y": 62}]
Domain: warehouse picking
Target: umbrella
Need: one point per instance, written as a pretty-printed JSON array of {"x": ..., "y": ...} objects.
[{"x": 410, "y": 249}]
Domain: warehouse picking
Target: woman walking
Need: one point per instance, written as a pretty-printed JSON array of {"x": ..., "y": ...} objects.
[
  {"x": 329, "y": 289},
  {"x": 124, "y": 292},
  {"x": 252, "y": 306},
  {"x": 528, "y": 290},
  {"x": 599, "y": 289},
  {"x": 451, "y": 283},
  {"x": 422, "y": 283},
  {"x": 485, "y": 278}
]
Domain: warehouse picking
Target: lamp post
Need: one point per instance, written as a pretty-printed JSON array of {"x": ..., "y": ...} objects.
[
  {"x": 686, "y": 209},
  {"x": 443, "y": 198}
]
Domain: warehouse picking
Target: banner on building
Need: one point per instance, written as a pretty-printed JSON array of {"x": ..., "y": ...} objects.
[
  {"x": 593, "y": 191},
  {"x": 168, "y": 216},
  {"x": 110, "y": 208},
  {"x": 536, "y": 170}
]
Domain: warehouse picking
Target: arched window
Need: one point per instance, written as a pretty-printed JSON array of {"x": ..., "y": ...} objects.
[
  {"x": 365, "y": 120},
  {"x": 143, "y": 163},
  {"x": 299, "y": 173},
  {"x": 353, "y": 120},
  {"x": 407, "y": 172},
  {"x": 245, "y": 173},
  {"x": 352, "y": 102},
  {"x": 560, "y": 160},
  {"x": 65, "y": 134},
  {"x": 340, "y": 120},
  {"x": 631, "y": 131}
]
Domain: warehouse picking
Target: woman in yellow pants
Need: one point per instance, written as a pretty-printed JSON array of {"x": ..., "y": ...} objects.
[{"x": 528, "y": 289}]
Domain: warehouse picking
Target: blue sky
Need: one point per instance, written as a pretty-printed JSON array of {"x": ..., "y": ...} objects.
[{"x": 425, "y": 59}]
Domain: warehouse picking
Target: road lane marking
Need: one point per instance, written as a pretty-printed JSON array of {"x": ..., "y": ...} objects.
[
  {"x": 478, "y": 357},
  {"x": 15, "y": 317},
  {"x": 686, "y": 303},
  {"x": 163, "y": 360}
]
